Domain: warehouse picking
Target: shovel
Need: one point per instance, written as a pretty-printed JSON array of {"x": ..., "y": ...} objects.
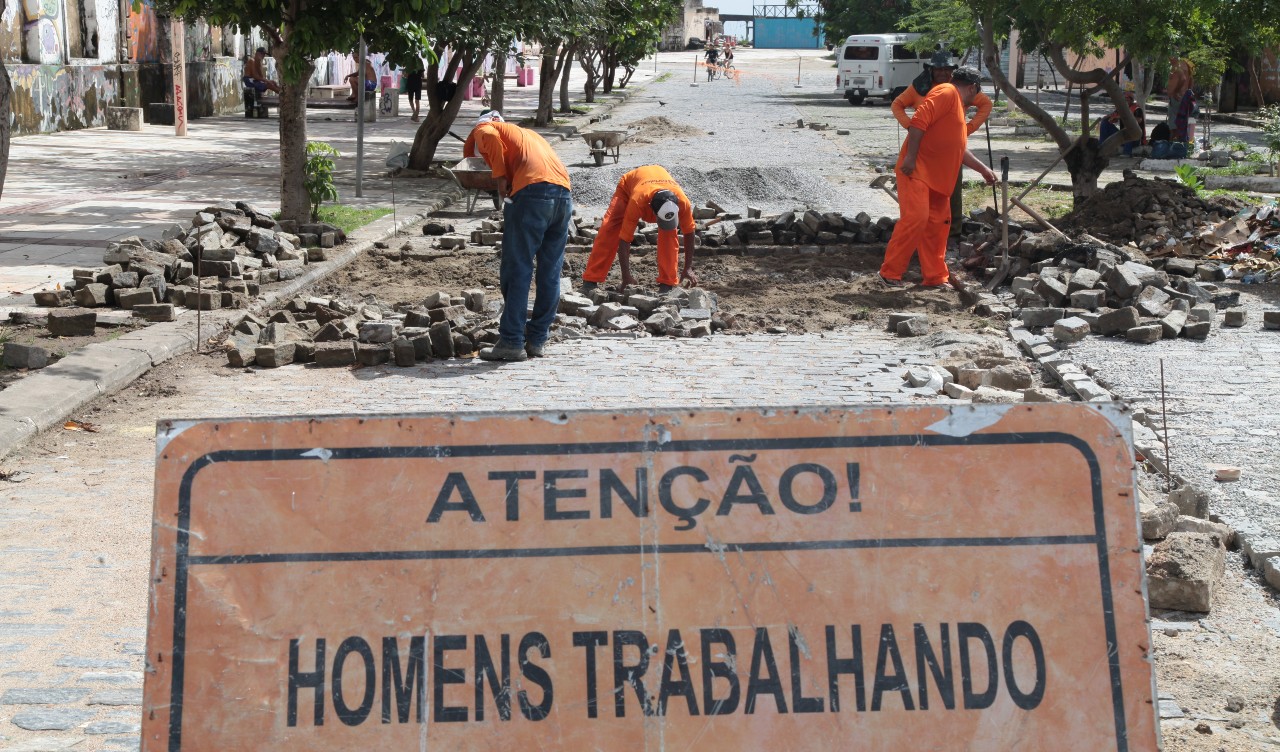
[{"x": 1003, "y": 271}]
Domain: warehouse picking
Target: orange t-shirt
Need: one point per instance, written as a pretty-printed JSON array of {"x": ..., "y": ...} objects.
[
  {"x": 638, "y": 186},
  {"x": 946, "y": 137},
  {"x": 519, "y": 155},
  {"x": 911, "y": 99}
]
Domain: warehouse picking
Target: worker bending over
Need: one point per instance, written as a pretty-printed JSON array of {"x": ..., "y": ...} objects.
[
  {"x": 938, "y": 71},
  {"x": 647, "y": 193},
  {"x": 930, "y": 159},
  {"x": 536, "y": 209}
]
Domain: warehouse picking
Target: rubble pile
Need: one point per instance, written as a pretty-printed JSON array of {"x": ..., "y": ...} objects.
[
  {"x": 233, "y": 247},
  {"x": 1159, "y": 217},
  {"x": 1250, "y": 243},
  {"x": 333, "y": 332}
]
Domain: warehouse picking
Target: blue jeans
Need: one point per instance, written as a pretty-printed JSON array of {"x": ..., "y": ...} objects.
[{"x": 536, "y": 230}]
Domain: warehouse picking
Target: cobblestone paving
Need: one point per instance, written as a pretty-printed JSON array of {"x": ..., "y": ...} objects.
[
  {"x": 73, "y": 564},
  {"x": 1223, "y": 406}
]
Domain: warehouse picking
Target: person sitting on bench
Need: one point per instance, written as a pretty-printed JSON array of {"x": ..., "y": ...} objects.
[
  {"x": 370, "y": 80},
  {"x": 255, "y": 77}
]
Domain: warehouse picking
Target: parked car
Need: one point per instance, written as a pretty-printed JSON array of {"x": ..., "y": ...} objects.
[
  {"x": 696, "y": 43},
  {"x": 877, "y": 66}
]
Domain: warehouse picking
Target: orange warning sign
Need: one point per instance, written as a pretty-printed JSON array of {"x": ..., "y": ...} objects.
[{"x": 963, "y": 577}]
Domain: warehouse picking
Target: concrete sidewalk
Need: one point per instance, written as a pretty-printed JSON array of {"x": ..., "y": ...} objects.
[{"x": 69, "y": 194}]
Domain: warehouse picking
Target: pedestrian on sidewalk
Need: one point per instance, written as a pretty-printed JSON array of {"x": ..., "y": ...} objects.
[
  {"x": 651, "y": 194},
  {"x": 536, "y": 209},
  {"x": 370, "y": 78},
  {"x": 412, "y": 77},
  {"x": 938, "y": 71},
  {"x": 935, "y": 147}
]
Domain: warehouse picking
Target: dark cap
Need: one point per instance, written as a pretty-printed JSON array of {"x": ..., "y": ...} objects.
[
  {"x": 666, "y": 207},
  {"x": 966, "y": 75},
  {"x": 941, "y": 59}
]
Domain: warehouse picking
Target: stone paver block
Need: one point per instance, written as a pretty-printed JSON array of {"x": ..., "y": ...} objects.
[
  {"x": 275, "y": 355},
  {"x": 99, "y": 728},
  {"x": 368, "y": 354},
  {"x": 403, "y": 352},
  {"x": 1197, "y": 330},
  {"x": 116, "y": 697},
  {"x": 31, "y": 357},
  {"x": 50, "y": 719},
  {"x": 155, "y": 312},
  {"x": 917, "y": 326},
  {"x": 1034, "y": 317},
  {"x": 1234, "y": 317},
  {"x": 1118, "y": 321},
  {"x": 992, "y": 395},
  {"x": 42, "y": 696},
  {"x": 334, "y": 354},
  {"x": 1184, "y": 570},
  {"x": 52, "y": 298},
  {"x": 1071, "y": 329},
  {"x": 127, "y": 299},
  {"x": 1158, "y": 518},
  {"x": 1271, "y": 319},
  {"x": 1090, "y": 300},
  {"x": 93, "y": 295},
  {"x": 1145, "y": 334}
]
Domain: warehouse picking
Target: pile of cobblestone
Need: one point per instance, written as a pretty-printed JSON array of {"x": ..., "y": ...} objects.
[
  {"x": 333, "y": 332},
  {"x": 725, "y": 231},
  {"x": 220, "y": 261}
]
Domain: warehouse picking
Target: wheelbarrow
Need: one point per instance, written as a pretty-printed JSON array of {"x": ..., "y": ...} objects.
[
  {"x": 472, "y": 174},
  {"x": 605, "y": 144}
]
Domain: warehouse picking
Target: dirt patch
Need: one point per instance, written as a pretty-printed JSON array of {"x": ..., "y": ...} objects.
[
  {"x": 800, "y": 292},
  {"x": 58, "y": 347},
  {"x": 657, "y": 128}
]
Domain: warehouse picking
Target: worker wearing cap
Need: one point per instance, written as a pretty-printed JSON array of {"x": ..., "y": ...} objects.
[
  {"x": 486, "y": 116},
  {"x": 935, "y": 147},
  {"x": 647, "y": 193},
  {"x": 938, "y": 71},
  {"x": 536, "y": 209}
]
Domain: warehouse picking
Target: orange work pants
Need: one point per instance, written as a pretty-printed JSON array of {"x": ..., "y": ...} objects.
[
  {"x": 605, "y": 248},
  {"x": 923, "y": 224}
]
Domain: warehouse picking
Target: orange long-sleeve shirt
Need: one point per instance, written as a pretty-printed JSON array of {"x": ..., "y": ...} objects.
[
  {"x": 639, "y": 185},
  {"x": 911, "y": 99},
  {"x": 942, "y": 148},
  {"x": 517, "y": 154}
]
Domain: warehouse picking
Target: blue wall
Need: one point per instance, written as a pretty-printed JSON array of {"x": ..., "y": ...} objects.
[{"x": 787, "y": 34}]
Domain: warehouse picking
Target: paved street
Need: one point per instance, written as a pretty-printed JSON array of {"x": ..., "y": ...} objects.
[{"x": 76, "y": 506}]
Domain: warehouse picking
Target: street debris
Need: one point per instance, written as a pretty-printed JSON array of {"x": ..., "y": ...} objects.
[
  {"x": 234, "y": 249},
  {"x": 335, "y": 332}
]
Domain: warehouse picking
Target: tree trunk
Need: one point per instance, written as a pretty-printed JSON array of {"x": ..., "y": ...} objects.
[
  {"x": 631, "y": 71},
  {"x": 5, "y": 90},
  {"x": 590, "y": 62},
  {"x": 498, "y": 89},
  {"x": 548, "y": 74},
  {"x": 294, "y": 202},
  {"x": 565, "y": 107},
  {"x": 1085, "y": 163},
  {"x": 440, "y": 114},
  {"x": 610, "y": 68}
]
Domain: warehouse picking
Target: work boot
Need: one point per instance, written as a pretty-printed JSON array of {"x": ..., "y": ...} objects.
[
  {"x": 535, "y": 351},
  {"x": 664, "y": 289},
  {"x": 505, "y": 352},
  {"x": 589, "y": 287}
]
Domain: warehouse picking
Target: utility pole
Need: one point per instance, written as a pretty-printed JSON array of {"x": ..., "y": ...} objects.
[{"x": 177, "y": 39}]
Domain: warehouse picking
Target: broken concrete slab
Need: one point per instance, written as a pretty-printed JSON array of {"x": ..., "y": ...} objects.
[{"x": 1183, "y": 571}]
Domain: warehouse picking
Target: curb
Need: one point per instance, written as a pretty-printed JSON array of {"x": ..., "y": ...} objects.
[{"x": 46, "y": 398}]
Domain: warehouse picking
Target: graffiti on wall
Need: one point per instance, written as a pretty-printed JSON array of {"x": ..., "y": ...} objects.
[
  {"x": 60, "y": 97},
  {"x": 41, "y": 31},
  {"x": 144, "y": 34}
]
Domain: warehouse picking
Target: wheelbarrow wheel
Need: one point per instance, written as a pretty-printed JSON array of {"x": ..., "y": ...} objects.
[{"x": 599, "y": 157}]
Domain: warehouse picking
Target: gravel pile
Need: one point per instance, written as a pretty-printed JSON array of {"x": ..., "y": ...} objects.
[{"x": 773, "y": 189}]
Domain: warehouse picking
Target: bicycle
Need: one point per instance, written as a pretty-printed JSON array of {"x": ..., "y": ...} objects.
[{"x": 712, "y": 71}]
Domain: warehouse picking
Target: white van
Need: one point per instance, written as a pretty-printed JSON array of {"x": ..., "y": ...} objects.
[{"x": 877, "y": 65}]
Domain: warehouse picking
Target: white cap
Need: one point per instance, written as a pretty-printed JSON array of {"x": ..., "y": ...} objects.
[{"x": 667, "y": 210}]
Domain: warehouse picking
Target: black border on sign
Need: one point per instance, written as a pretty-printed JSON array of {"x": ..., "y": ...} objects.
[{"x": 185, "y": 561}]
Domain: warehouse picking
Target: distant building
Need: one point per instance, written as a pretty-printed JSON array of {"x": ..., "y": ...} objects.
[{"x": 696, "y": 22}]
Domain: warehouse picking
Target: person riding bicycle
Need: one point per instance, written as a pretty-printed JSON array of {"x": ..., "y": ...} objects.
[{"x": 713, "y": 59}]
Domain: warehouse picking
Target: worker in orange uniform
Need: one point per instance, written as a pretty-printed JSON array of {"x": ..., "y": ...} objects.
[
  {"x": 647, "y": 193},
  {"x": 537, "y": 206},
  {"x": 938, "y": 71},
  {"x": 931, "y": 156}
]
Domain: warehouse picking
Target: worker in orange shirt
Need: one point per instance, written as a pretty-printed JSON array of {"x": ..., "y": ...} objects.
[
  {"x": 647, "y": 193},
  {"x": 537, "y": 206},
  {"x": 936, "y": 146},
  {"x": 938, "y": 71}
]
